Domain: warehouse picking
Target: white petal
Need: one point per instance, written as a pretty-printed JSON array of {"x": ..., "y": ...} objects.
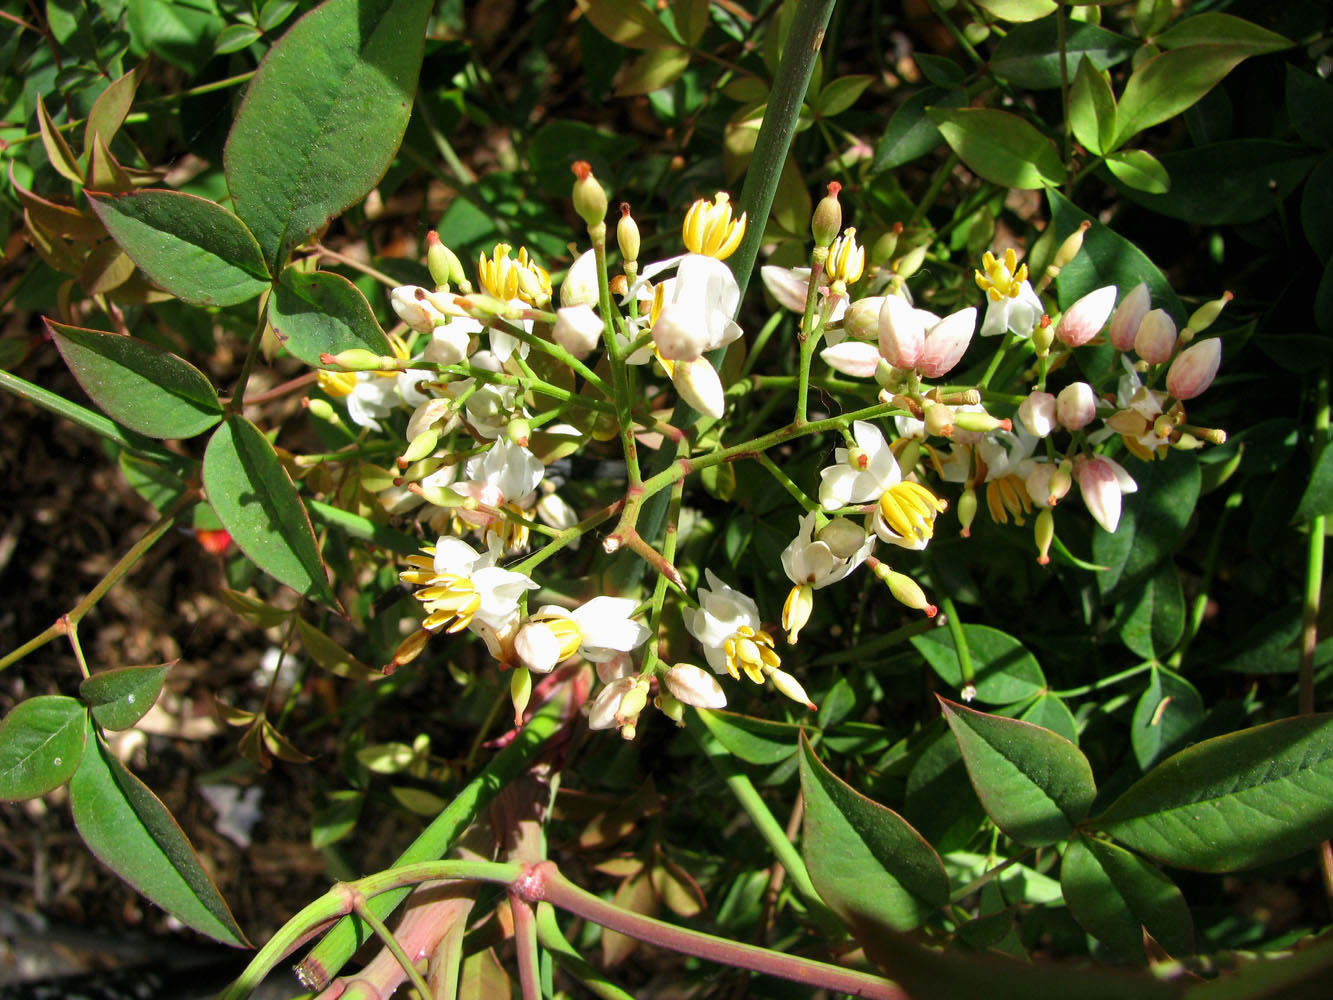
[{"x": 852, "y": 357}]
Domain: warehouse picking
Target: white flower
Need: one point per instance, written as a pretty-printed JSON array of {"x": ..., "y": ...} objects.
[
  {"x": 460, "y": 586},
  {"x": 577, "y": 329},
  {"x": 373, "y": 397},
  {"x": 505, "y": 477},
  {"x": 450, "y": 342},
  {"x": 728, "y": 626},
  {"x": 790, "y": 285},
  {"x": 693, "y": 686},
  {"x": 1011, "y": 304},
  {"x": 598, "y": 630},
  {"x": 1085, "y": 318},
  {"x": 697, "y": 307},
  {"x": 580, "y": 285},
  {"x": 699, "y": 385},
  {"x": 812, "y": 565},
  {"x": 863, "y": 478},
  {"x": 619, "y": 704},
  {"x": 1037, "y": 413}
]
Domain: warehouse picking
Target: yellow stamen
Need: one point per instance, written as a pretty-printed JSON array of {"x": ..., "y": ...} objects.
[
  {"x": 846, "y": 260},
  {"x": 1007, "y": 496},
  {"x": 450, "y": 600},
  {"x": 710, "y": 230},
  {"x": 337, "y": 384},
  {"x": 566, "y": 632},
  {"x": 503, "y": 277},
  {"x": 909, "y": 510},
  {"x": 796, "y": 611},
  {"x": 1001, "y": 279},
  {"x": 751, "y": 651}
]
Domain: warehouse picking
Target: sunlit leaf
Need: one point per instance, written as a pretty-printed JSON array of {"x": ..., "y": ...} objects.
[
  {"x": 1000, "y": 146},
  {"x": 41, "y": 744}
]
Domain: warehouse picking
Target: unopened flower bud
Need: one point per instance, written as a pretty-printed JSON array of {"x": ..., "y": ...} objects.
[
  {"x": 843, "y": 537},
  {"x": 695, "y": 686},
  {"x": 827, "y": 220},
  {"x": 627, "y": 236},
  {"x": 323, "y": 410},
  {"x": 1037, "y": 413},
  {"x": 670, "y": 706},
  {"x": 967, "y": 511},
  {"x": 1044, "y": 533},
  {"x": 520, "y": 691},
  {"x": 1085, "y": 318},
  {"x": 861, "y": 320},
  {"x": 445, "y": 267},
  {"x": 1076, "y": 406},
  {"x": 580, "y": 285},
  {"x": 1156, "y": 339},
  {"x": 1194, "y": 369},
  {"x": 1128, "y": 316},
  {"x": 906, "y": 590},
  {"x": 518, "y": 431},
  {"x": 939, "y": 420},
  {"x": 982, "y": 423},
  {"x": 886, "y": 246},
  {"x": 1071, "y": 246},
  {"x": 421, "y": 445},
  {"x": 1043, "y": 336},
  {"x": 589, "y": 198},
  {"x": 909, "y": 263},
  {"x": 1061, "y": 481},
  {"x": 791, "y": 687},
  {"x": 357, "y": 359},
  {"x": 1207, "y": 313}
]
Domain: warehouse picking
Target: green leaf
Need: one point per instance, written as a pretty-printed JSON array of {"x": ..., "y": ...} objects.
[
  {"x": 138, "y": 385},
  {"x": 235, "y": 37},
  {"x": 940, "y": 71},
  {"x": 1171, "y": 82},
  {"x": 1152, "y": 617},
  {"x": 910, "y": 132},
  {"x": 1220, "y": 29},
  {"x": 192, "y": 247},
  {"x": 841, "y": 94},
  {"x": 1051, "y": 713},
  {"x": 1317, "y": 500},
  {"x": 181, "y": 33},
  {"x": 756, "y": 741},
  {"x": 132, "y": 833},
  {"x": 121, "y": 697},
  {"x": 1168, "y": 711},
  {"x": 322, "y": 313},
  {"x": 1000, "y": 147},
  {"x": 112, "y": 105},
  {"x": 866, "y": 861},
  {"x": 1116, "y": 896},
  {"x": 1225, "y": 182},
  {"x": 337, "y": 818},
  {"x": 1018, "y": 10},
  {"x": 1028, "y": 55},
  {"x": 274, "y": 12},
  {"x": 41, "y": 744},
  {"x": 939, "y": 800},
  {"x": 1107, "y": 258},
  {"x": 1140, "y": 170},
  {"x": 331, "y": 656},
  {"x": 1309, "y": 102},
  {"x": 323, "y": 117},
  {"x": 1152, "y": 521},
  {"x": 257, "y": 503},
  {"x": 653, "y": 70},
  {"x": 1092, "y": 108},
  {"x": 1004, "y": 671},
  {"x": 58, "y": 153},
  {"x": 1235, "y": 801},
  {"x": 1034, "y": 784},
  {"x": 1323, "y": 300},
  {"x": 627, "y": 22}
]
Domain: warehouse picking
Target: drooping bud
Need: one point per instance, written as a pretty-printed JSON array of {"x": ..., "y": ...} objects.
[
  {"x": 1128, "y": 316},
  {"x": 589, "y": 198},
  {"x": 695, "y": 686},
  {"x": 982, "y": 423},
  {"x": 520, "y": 691},
  {"x": 1155, "y": 341},
  {"x": 843, "y": 537},
  {"x": 1061, "y": 481},
  {"x": 1076, "y": 406},
  {"x": 967, "y": 511},
  {"x": 627, "y": 237},
  {"x": 1085, "y": 318},
  {"x": 358, "y": 359},
  {"x": 909, "y": 263},
  {"x": 670, "y": 706},
  {"x": 518, "y": 431},
  {"x": 577, "y": 329},
  {"x": 1037, "y": 413},
  {"x": 1194, "y": 369},
  {"x": 886, "y": 246},
  {"x": 1043, "y": 336},
  {"x": 322, "y": 410},
  {"x": 791, "y": 687},
  {"x": 699, "y": 386},
  {"x": 827, "y": 220},
  {"x": 906, "y": 590},
  {"x": 1043, "y": 531},
  {"x": 1206, "y": 314},
  {"x": 861, "y": 321}
]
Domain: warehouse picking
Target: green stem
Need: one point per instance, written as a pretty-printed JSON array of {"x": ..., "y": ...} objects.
[
  {"x": 565, "y": 956},
  {"x": 955, "y": 626},
  {"x": 1105, "y": 682},
  {"x": 796, "y": 492},
  {"x": 525, "y": 944},
  {"x": 237, "y": 403},
  {"x": 324, "y": 961},
  {"x": 1314, "y": 555},
  {"x": 1200, "y": 604},
  {"x": 808, "y": 335},
  {"x": 364, "y": 912}
]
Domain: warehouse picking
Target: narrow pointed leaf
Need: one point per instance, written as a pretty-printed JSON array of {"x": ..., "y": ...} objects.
[
  {"x": 1033, "y": 783},
  {"x": 323, "y": 117},
  {"x": 192, "y": 247},
  {"x": 257, "y": 503},
  {"x": 1116, "y": 896},
  {"x": 1000, "y": 146},
  {"x": 867, "y": 862},
  {"x": 112, "y": 105},
  {"x": 755, "y": 741},
  {"x": 1140, "y": 170},
  {"x": 1220, "y": 29},
  {"x": 1092, "y": 108},
  {"x": 41, "y": 744},
  {"x": 1235, "y": 801},
  {"x": 119, "y": 698},
  {"x": 131, "y": 832},
  {"x": 137, "y": 384},
  {"x": 1172, "y": 82},
  {"x": 58, "y": 153},
  {"x": 322, "y": 313}
]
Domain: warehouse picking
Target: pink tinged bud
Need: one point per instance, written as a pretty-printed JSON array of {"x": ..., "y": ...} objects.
[
  {"x": 1085, "y": 318},
  {"x": 789, "y": 285},
  {"x": 852, "y": 357},
  {"x": 902, "y": 334},
  {"x": 1127, "y": 317},
  {"x": 1076, "y": 406},
  {"x": 946, "y": 343},
  {"x": 1194, "y": 369},
  {"x": 1102, "y": 481},
  {"x": 1037, "y": 414},
  {"x": 602, "y": 711},
  {"x": 693, "y": 686},
  {"x": 1156, "y": 340},
  {"x": 577, "y": 329}
]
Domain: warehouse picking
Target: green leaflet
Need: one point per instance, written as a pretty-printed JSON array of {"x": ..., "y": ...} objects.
[{"x": 41, "y": 744}]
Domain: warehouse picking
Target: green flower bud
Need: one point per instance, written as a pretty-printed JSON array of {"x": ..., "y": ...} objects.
[
  {"x": 589, "y": 198},
  {"x": 827, "y": 220}
]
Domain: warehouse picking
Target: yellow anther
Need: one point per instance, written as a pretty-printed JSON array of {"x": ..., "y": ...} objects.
[
  {"x": 1006, "y": 496},
  {"x": 503, "y": 277},
  {"x": 566, "y": 632},
  {"x": 337, "y": 384},
  {"x": 909, "y": 510},
  {"x": 846, "y": 260},
  {"x": 751, "y": 651},
  {"x": 1001, "y": 279},
  {"x": 710, "y": 230},
  {"x": 450, "y": 600}
]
